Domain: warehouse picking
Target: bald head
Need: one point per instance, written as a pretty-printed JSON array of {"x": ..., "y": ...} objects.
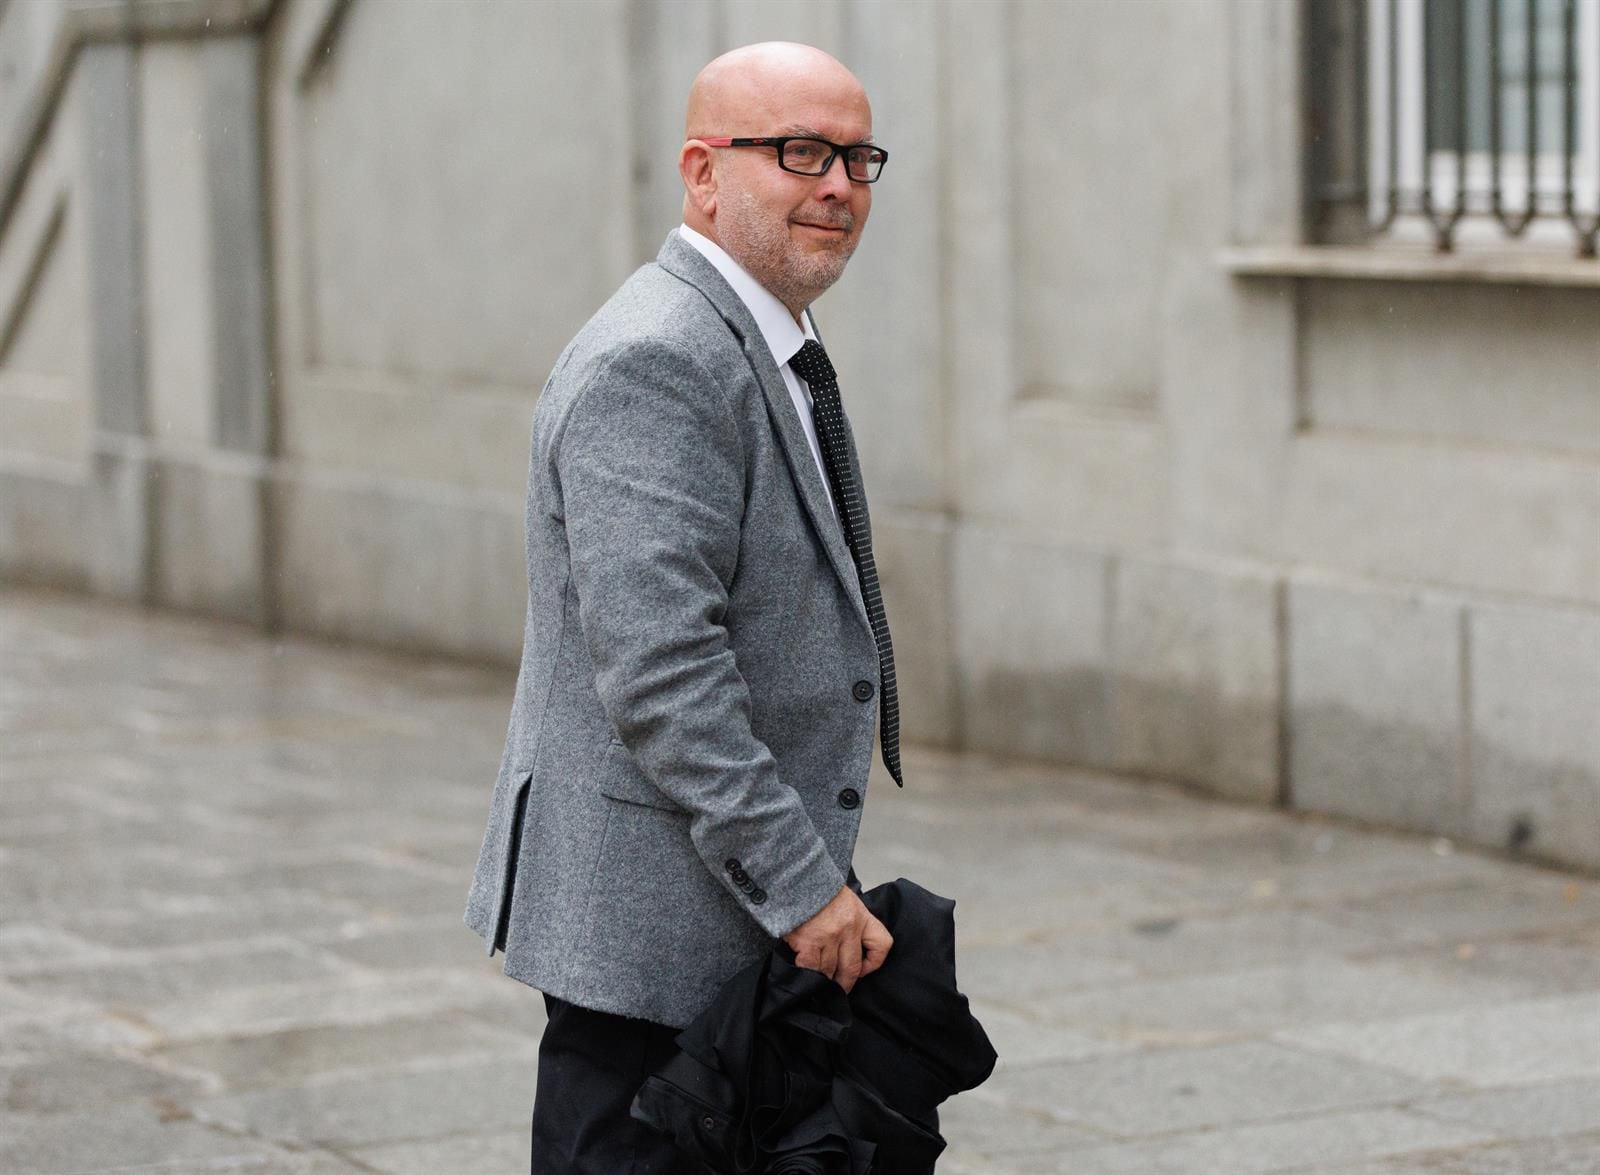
[
  {"x": 792, "y": 230},
  {"x": 751, "y": 90}
]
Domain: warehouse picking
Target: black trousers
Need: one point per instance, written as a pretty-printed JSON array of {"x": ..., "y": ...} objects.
[{"x": 590, "y": 1066}]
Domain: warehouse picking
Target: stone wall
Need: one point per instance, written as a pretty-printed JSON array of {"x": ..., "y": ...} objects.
[{"x": 280, "y": 284}]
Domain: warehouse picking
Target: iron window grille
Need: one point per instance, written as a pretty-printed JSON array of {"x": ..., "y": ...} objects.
[{"x": 1455, "y": 122}]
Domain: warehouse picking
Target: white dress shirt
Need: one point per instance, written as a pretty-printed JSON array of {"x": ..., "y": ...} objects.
[{"x": 783, "y": 336}]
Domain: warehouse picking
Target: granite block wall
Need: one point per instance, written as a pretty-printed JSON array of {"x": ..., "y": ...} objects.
[{"x": 280, "y": 283}]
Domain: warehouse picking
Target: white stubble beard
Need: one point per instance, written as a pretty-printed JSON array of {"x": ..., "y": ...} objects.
[{"x": 795, "y": 277}]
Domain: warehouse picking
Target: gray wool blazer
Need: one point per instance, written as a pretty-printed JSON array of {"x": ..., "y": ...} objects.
[{"x": 699, "y": 682}]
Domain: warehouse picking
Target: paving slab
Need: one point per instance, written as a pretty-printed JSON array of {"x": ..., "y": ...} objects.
[
  {"x": 1577, "y": 1154},
  {"x": 1475, "y": 910},
  {"x": 1056, "y": 916},
  {"x": 304, "y": 1056},
  {"x": 1254, "y": 1001},
  {"x": 358, "y": 998},
  {"x": 1535, "y": 1111},
  {"x": 381, "y": 1108},
  {"x": 1180, "y": 944},
  {"x": 1272, "y": 1147},
  {"x": 114, "y": 1136},
  {"x": 24, "y": 947},
  {"x": 1310, "y": 859},
  {"x": 1020, "y": 971},
  {"x": 1022, "y": 1039},
  {"x": 385, "y": 946},
  {"x": 232, "y": 869},
  {"x": 51, "y": 1029},
  {"x": 1521, "y": 966},
  {"x": 505, "y": 1150},
  {"x": 1189, "y": 1088},
  {"x": 1401, "y": 1166},
  {"x": 141, "y": 979},
  {"x": 984, "y": 1132},
  {"x": 1523, "y": 1041},
  {"x": 271, "y": 1161},
  {"x": 300, "y": 917},
  {"x": 66, "y": 1082}
]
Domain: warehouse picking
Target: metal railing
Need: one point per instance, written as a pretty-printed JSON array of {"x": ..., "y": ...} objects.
[{"x": 1454, "y": 119}]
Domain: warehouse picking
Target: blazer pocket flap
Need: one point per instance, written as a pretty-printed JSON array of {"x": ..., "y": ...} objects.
[{"x": 622, "y": 779}]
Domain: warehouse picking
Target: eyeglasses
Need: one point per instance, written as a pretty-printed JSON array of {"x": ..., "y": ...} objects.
[{"x": 863, "y": 163}]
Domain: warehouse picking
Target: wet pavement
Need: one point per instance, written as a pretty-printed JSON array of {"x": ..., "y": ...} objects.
[{"x": 232, "y": 871}]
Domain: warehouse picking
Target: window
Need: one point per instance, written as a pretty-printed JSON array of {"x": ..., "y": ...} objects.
[{"x": 1459, "y": 122}]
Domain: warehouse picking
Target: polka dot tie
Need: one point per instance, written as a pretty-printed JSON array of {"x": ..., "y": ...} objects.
[{"x": 811, "y": 364}]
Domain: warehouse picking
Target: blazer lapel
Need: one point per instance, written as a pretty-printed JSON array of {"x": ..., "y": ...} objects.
[{"x": 684, "y": 261}]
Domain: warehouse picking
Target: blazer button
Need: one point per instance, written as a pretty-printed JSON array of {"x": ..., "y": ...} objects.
[
  {"x": 862, "y": 691},
  {"x": 758, "y": 896},
  {"x": 732, "y": 865},
  {"x": 849, "y": 798}
]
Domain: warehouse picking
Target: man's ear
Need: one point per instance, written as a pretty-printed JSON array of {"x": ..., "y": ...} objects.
[{"x": 699, "y": 178}]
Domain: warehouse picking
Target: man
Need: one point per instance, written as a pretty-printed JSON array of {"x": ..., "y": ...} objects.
[{"x": 706, "y": 660}]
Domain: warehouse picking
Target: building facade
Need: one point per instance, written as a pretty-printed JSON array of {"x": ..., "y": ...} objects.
[{"x": 1191, "y": 454}]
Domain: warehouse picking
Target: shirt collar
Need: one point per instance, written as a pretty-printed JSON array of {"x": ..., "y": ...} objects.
[{"x": 772, "y": 317}]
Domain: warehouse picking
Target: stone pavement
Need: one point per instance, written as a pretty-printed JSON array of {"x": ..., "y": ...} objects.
[{"x": 232, "y": 871}]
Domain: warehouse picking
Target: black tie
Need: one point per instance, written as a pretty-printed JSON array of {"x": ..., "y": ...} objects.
[{"x": 811, "y": 364}]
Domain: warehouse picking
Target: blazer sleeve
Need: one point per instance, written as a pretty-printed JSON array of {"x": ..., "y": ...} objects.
[{"x": 650, "y": 466}]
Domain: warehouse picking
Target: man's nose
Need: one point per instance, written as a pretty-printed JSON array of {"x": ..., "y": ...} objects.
[{"x": 835, "y": 182}]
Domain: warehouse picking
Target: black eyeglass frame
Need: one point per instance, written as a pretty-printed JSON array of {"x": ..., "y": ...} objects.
[{"x": 834, "y": 151}]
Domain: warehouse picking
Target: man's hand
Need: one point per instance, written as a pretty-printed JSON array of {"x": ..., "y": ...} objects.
[{"x": 842, "y": 940}]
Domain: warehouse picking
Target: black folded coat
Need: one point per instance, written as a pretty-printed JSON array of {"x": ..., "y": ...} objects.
[{"x": 784, "y": 1074}]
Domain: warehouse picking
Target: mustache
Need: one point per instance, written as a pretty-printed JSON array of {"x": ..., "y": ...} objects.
[{"x": 841, "y": 218}]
